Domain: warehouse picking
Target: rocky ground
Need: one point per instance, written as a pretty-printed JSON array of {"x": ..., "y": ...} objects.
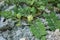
[
  {"x": 8, "y": 30},
  {"x": 11, "y": 32}
]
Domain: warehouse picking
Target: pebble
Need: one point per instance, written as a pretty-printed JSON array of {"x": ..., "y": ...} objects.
[
  {"x": 1, "y": 38},
  {"x": 53, "y": 35},
  {"x": 7, "y": 24}
]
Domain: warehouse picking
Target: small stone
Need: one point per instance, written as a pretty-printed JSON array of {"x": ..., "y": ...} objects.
[
  {"x": 48, "y": 11},
  {"x": 10, "y": 8},
  {"x": 1, "y": 3},
  {"x": 7, "y": 24},
  {"x": 57, "y": 32},
  {"x": 1, "y": 38},
  {"x": 23, "y": 39}
]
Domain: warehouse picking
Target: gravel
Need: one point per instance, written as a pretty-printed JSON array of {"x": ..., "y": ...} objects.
[
  {"x": 53, "y": 35},
  {"x": 6, "y": 24},
  {"x": 16, "y": 33},
  {"x": 23, "y": 32}
]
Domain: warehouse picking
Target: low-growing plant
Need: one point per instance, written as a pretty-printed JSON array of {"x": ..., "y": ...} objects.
[
  {"x": 31, "y": 9},
  {"x": 38, "y": 29},
  {"x": 52, "y": 20}
]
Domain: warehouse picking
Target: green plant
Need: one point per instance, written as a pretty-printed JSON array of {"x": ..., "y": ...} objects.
[
  {"x": 8, "y": 14},
  {"x": 52, "y": 20},
  {"x": 38, "y": 29},
  {"x": 31, "y": 9}
]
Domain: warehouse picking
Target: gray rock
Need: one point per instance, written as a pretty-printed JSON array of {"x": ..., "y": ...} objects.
[
  {"x": 17, "y": 32},
  {"x": 1, "y": 38},
  {"x": 2, "y": 24},
  {"x": 24, "y": 23},
  {"x": 27, "y": 32},
  {"x": 58, "y": 15},
  {"x": 44, "y": 21},
  {"x": 53, "y": 35},
  {"x": 5, "y": 34},
  {"x": 47, "y": 11},
  {"x": 6, "y": 24},
  {"x": 1, "y": 3},
  {"x": 10, "y": 8}
]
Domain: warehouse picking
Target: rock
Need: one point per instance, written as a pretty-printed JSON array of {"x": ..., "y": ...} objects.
[
  {"x": 6, "y": 24},
  {"x": 58, "y": 15},
  {"x": 44, "y": 21},
  {"x": 1, "y": 3},
  {"x": 2, "y": 24},
  {"x": 10, "y": 23},
  {"x": 17, "y": 33},
  {"x": 10, "y": 8},
  {"x": 53, "y": 35},
  {"x": 24, "y": 23},
  {"x": 47, "y": 11},
  {"x": 27, "y": 32},
  {"x": 1, "y": 38},
  {"x": 5, "y": 34},
  {"x": 23, "y": 39}
]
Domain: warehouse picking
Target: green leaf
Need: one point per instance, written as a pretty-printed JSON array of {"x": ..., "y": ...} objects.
[
  {"x": 58, "y": 5},
  {"x": 30, "y": 18},
  {"x": 32, "y": 2},
  {"x": 43, "y": 38},
  {"x": 18, "y": 24},
  {"x": 42, "y": 8},
  {"x": 18, "y": 15},
  {"x": 57, "y": 23},
  {"x": 7, "y": 14},
  {"x": 38, "y": 29},
  {"x": 52, "y": 20}
]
